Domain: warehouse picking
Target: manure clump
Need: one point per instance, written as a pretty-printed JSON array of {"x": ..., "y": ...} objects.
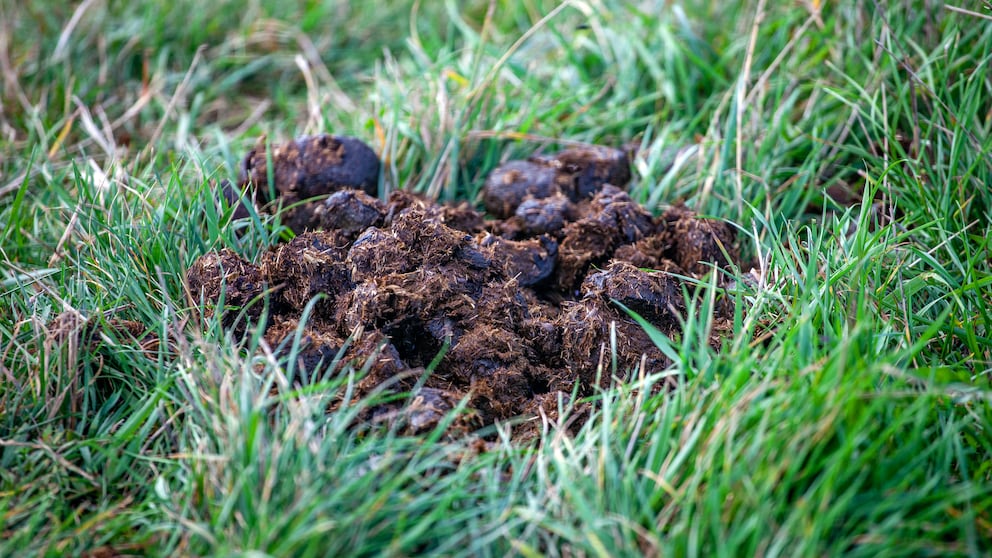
[{"x": 521, "y": 299}]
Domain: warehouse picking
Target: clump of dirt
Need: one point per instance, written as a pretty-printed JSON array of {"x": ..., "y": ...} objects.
[
  {"x": 521, "y": 305},
  {"x": 306, "y": 169},
  {"x": 230, "y": 284},
  {"x": 575, "y": 174}
]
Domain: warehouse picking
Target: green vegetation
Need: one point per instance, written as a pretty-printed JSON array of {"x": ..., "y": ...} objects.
[{"x": 849, "y": 413}]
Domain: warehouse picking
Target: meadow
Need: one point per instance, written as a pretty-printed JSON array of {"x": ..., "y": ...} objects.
[{"x": 848, "y": 412}]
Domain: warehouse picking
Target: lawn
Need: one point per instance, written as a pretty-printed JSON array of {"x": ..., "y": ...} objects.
[{"x": 848, "y": 412}]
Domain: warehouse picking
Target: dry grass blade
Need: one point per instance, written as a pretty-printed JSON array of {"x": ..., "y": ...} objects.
[
  {"x": 177, "y": 95},
  {"x": 59, "y": 54},
  {"x": 967, "y": 12},
  {"x": 741, "y": 94}
]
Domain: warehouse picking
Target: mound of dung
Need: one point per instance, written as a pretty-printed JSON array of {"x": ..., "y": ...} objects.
[{"x": 521, "y": 306}]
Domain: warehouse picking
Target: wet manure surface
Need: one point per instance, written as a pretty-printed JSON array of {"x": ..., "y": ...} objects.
[{"x": 518, "y": 301}]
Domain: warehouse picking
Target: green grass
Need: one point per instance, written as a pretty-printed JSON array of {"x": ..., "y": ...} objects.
[{"x": 848, "y": 414}]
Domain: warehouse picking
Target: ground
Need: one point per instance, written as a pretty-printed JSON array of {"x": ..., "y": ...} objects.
[{"x": 816, "y": 379}]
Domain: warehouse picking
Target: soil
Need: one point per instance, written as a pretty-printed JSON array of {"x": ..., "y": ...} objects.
[{"x": 519, "y": 300}]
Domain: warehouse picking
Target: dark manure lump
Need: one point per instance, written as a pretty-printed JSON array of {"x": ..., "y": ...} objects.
[
  {"x": 522, "y": 304},
  {"x": 306, "y": 169}
]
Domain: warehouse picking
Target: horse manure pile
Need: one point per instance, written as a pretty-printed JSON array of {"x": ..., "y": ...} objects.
[{"x": 519, "y": 300}]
